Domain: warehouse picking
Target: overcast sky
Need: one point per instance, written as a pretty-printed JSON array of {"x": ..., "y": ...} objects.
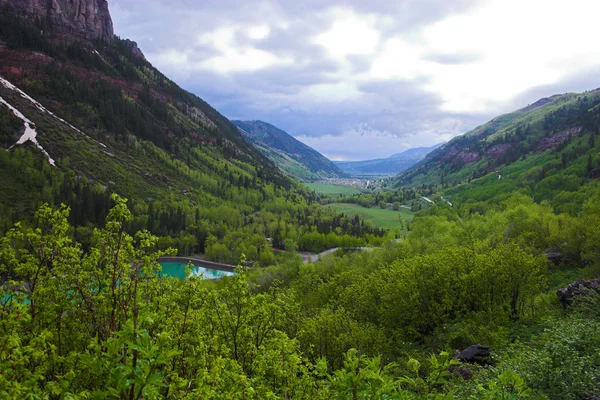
[{"x": 362, "y": 79}]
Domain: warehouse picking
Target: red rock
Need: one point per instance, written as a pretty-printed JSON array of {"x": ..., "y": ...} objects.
[
  {"x": 498, "y": 150},
  {"x": 556, "y": 139}
]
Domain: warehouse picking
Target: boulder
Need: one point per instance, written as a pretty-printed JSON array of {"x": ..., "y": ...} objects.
[
  {"x": 472, "y": 353},
  {"x": 580, "y": 287},
  {"x": 554, "y": 257},
  {"x": 475, "y": 353}
]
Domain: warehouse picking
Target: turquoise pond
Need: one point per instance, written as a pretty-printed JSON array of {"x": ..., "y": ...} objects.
[{"x": 177, "y": 269}]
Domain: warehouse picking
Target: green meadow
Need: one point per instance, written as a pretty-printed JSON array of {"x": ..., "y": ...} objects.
[
  {"x": 381, "y": 218},
  {"x": 332, "y": 190}
]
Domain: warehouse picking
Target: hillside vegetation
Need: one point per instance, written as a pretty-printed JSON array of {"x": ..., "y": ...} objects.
[
  {"x": 378, "y": 324},
  {"x": 292, "y": 156},
  {"x": 112, "y": 123},
  {"x": 555, "y": 136},
  {"x": 509, "y": 213}
]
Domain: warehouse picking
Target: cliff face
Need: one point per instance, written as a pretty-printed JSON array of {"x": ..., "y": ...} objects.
[
  {"x": 134, "y": 48},
  {"x": 69, "y": 19}
]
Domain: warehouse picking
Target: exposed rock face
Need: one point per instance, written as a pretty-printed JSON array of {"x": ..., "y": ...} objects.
[
  {"x": 580, "y": 287},
  {"x": 134, "y": 48},
  {"x": 498, "y": 150},
  {"x": 556, "y": 139},
  {"x": 467, "y": 156},
  {"x": 69, "y": 19}
]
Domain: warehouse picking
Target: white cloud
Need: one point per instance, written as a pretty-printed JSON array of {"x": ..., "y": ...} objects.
[
  {"x": 401, "y": 67},
  {"x": 350, "y": 33},
  {"x": 258, "y": 32},
  {"x": 331, "y": 92},
  {"x": 362, "y": 142},
  {"x": 234, "y": 57},
  {"x": 520, "y": 45}
]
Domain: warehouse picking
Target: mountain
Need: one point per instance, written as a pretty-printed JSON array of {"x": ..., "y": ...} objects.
[
  {"x": 391, "y": 165},
  {"x": 292, "y": 156},
  {"x": 83, "y": 116},
  {"x": 67, "y": 20},
  {"x": 547, "y": 149}
]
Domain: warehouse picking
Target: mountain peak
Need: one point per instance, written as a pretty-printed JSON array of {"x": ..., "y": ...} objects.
[
  {"x": 68, "y": 20},
  {"x": 391, "y": 165}
]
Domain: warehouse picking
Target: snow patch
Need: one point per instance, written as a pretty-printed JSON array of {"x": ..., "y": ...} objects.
[
  {"x": 43, "y": 109},
  {"x": 447, "y": 201},
  {"x": 98, "y": 54},
  {"x": 427, "y": 200},
  {"x": 30, "y": 133}
]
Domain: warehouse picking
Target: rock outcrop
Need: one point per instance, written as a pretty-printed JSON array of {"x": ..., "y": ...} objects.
[
  {"x": 472, "y": 353},
  {"x": 580, "y": 287},
  {"x": 68, "y": 20},
  {"x": 558, "y": 138},
  {"x": 134, "y": 48}
]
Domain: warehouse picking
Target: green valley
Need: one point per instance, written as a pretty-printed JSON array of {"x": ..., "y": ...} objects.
[{"x": 475, "y": 274}]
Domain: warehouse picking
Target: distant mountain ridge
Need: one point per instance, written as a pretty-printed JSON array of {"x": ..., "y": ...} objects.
[
  {"x": 288, "y": 153},
  {"x": 539, "y": 134},
  {"x": 391, "y": 165}
]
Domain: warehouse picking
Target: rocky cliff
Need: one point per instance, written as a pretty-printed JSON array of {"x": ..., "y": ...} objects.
[{"x": 68, "y": 19}]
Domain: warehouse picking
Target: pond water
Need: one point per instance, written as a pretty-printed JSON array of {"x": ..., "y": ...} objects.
[{"x": 177, "y": 270}]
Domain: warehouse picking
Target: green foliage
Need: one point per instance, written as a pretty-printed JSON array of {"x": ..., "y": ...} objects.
[
  {"x": 290, "y": 155},
  {"x": 10, "y": 127},
  {"x": 332, "y": 190},
  {"x": 101, "y": 323},
  {"x": 380, "y": 218},
  {"x": 84, "y": 312}
]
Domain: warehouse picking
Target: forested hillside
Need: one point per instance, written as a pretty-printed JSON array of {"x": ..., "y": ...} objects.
[
  {"x": 292, "y": 156},
  {"x": 546, "y": 150},
  {"x": 491, "y": 292},
  {"x": 110, "y": 122}
]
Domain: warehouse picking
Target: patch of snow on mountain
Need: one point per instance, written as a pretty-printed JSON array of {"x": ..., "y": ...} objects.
[
  {"x": 30, "y": 133},
  {"x": 43, "y": 109}
]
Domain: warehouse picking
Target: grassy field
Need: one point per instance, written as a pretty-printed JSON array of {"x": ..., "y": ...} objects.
[
  {"x": 332, "y": 190},
  {"x": 380, "y": 218}
]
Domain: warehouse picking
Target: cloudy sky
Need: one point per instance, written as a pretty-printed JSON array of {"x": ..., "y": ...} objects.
[{"x": 360, "y": 79}]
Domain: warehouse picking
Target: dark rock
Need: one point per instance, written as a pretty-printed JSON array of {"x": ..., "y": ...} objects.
[
  {"x": 134, "y": 48},
  {"x": 553, "y": 256},
  {"x": 472, "y": 353},
  {"x": 461, "y": 371},
  {"x": 69, "y": 20},
  {"x": 594, "y": 174},
  {"x": 580, "y": 287}
]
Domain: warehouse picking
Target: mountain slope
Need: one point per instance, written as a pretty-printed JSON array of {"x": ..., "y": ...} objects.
[
  {"x": 547, "y": 150},
  {"x": 288, "y": 153},
  {"x": 391, "y": 165},
  {"x": 83, "y": 117}
]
